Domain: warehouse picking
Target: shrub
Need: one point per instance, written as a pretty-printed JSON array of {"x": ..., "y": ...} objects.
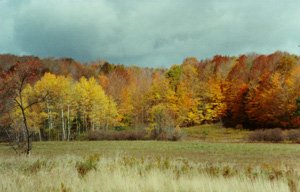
[
  {"x": 141, "y": 135},
  {"x": 292, "y": 185},
  {"x": 84, "y": 167},
  {"x": 293, "y": 135},
  {"x": 95, "y": 135},
  {"x": 111, "y": 135},
  {"x": 271, "y": 135},
  {"x": 176, "y": 134},
  {"x": 239, "y": 126},
  {"x": 36, "y": 166},
  {"x": 81, "y": 137},
  {"x": 89, "y": 163},
  {"x": 131, "y": 135},
  {"x": 274, "y": 135},
  {"x": 172, "y": 134},
  {"x": 115, "y": 135},
  {"x": 161, "y": 137},
  {"x": 257, "y": 135}
]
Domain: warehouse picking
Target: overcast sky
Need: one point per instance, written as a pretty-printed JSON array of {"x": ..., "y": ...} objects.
[{"x": 153, "y": 33}]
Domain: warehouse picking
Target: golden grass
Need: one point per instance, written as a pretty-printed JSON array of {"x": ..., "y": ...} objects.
[{"x": 123, "y": 173}]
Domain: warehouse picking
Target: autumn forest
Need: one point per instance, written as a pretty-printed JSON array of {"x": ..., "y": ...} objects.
[{"x": 63, "y": 98}]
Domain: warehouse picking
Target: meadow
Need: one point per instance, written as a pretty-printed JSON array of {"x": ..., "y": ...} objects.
[{"x": 191, "y": 165}]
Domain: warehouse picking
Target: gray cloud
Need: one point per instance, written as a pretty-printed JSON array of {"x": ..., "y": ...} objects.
[{"x": 147, "y": 33}]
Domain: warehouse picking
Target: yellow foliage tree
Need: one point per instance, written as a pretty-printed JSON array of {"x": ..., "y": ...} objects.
[
  {"x": 95, "y": 106},
  {"x": 212, "y": 105}
]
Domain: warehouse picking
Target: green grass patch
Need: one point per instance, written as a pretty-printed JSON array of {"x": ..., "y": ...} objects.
[
  {"x": 196, "y": 151},
  {"x": 215, "y": 133}
]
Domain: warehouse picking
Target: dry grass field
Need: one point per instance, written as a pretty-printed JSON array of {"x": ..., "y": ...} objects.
[
  {"x": 98, "y": 173},
  {"x": 151, "y": 166}
]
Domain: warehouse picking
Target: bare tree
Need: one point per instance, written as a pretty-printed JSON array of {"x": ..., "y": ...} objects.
[{"x": 12, "y": 84}]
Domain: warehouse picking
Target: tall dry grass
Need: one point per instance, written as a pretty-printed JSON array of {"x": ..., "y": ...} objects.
[{"x": 121, "y": 173}]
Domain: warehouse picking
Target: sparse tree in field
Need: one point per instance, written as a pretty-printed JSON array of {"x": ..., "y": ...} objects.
[
  {"x": 33, "y": 113},
  {"x": 12, "y": 85}
]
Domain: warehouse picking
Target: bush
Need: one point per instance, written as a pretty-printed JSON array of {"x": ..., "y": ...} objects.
[
  {"x": 115, "y": 135},
  {"x": 274, "y": 135},
  {"x": 88, "y": 164},
  {"x": 95, "y": 135},
  {"x": 271, "y": 135},
  {"x": 239, "y": 126},
  {"x": 131, "y": 135},
  {"x": 176, "y": 134},
  {"x": 257, "y": 135},
  {"x": 141, "y": 135},
  {"x": 293, "y": 135},
  {"x": 81, "y": 137},
  {"x": 171, "y": 134},
  {"x": 36, "y": 166}
]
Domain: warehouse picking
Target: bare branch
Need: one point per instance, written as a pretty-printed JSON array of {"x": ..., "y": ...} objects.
[
  {"x": 36, "y": 102},
  {"x": 11, "y": 142}
]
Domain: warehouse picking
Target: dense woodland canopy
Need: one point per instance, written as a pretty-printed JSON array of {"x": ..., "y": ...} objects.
[{"x": 67, "y": 97}]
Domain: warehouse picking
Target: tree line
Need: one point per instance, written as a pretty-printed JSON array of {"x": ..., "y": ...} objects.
[{"x": 63, "y": 98}]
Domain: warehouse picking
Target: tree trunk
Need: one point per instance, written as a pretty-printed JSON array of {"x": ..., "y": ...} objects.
[
  {"x": 106, "y": 125},
  {"x": 49, "y": 120},
  {"x": 93, "y": 125},
  {"x": 77, "y": 132},
  {"x": 63, "y": 125},
  {"x": 28, "y": 135},
  {"x": 84, "y": 123},
  {"x": 69, "y": 129},
  {"x": 40, "y": 136},
  {"x": 136, "y": 123}
]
